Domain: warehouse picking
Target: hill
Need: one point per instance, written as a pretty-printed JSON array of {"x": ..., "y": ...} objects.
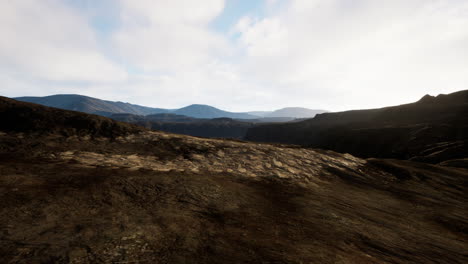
[
  {"x": 106, "y": 108},
  {"x": 434, "y": 129},
  {"x": 144, "y": 196},
  {"x": 206, "y": 111},
  {"x": 90, "y": 105}
]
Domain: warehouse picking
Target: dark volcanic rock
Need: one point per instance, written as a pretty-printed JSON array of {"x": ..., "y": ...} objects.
[{"x": 432, "y": 130}]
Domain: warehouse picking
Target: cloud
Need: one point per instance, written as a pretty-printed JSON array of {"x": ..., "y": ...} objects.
[
  {"x": 50, "y": 41},
  {"x": 359, "y": 53},
  {"x": 216, "y": 84},
  {"x": 171, "y": 11},
  {"x": 329, "y": 54},
  {"x": 168, "y": 35}
]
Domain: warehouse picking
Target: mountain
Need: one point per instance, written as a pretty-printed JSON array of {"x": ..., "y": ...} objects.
[
  {"x": 97, "y": 106},
  {"x": 80, "y": 188},
  {"x": 106, "y": 108},
  {"x": 295, "y": 112},
  {"x": 90, "y": 105},
  {"x": 206, "y": 111},
  {"x": 434, "y": 129}
]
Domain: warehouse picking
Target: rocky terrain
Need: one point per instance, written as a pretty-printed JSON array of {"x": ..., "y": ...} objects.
[
  {"x": 433, "y": 130},
  {"x": 79, "y": 188}
]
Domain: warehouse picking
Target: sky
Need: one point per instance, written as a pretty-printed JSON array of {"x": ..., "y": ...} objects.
[{"x": 238, "y": 55}]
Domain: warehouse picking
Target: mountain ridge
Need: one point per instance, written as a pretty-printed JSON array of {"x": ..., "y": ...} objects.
[
  {"x": 106, "y": 108},
  {"x": 207, "y": 111},
  {"x": 90, "y": 105},
  {"x": 418, "y": 130}
]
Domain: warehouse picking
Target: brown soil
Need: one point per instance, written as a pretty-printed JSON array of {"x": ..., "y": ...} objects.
[{"x": 161, "y": 198}]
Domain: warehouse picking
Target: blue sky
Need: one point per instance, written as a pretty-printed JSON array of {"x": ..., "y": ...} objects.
[
  {"x": 237, "y": 55},
  {"x": 235, "y": 10}
]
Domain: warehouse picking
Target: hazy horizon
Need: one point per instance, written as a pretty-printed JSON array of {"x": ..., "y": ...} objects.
[{"x": 236, "y": 55}]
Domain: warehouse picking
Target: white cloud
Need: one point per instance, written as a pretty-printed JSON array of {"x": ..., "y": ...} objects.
[
  {"x": 168, "y": 35},
  {"x": 360, "y": 53},
  {"x": 171, "y": 11},
  {"x": 49, "y": 41},
  {"x": 332, "y": 54},
  {"x": 216, "y": 84}
]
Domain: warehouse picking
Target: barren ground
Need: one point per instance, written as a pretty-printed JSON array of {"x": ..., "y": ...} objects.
[{"x": 154, "y": 197}]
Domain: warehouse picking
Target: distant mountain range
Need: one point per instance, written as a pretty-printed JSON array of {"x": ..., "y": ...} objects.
[{"x": 97, "y": 106}]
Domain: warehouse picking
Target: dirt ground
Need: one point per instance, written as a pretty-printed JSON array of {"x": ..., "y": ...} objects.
[{"x": 154, "y": 197}]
